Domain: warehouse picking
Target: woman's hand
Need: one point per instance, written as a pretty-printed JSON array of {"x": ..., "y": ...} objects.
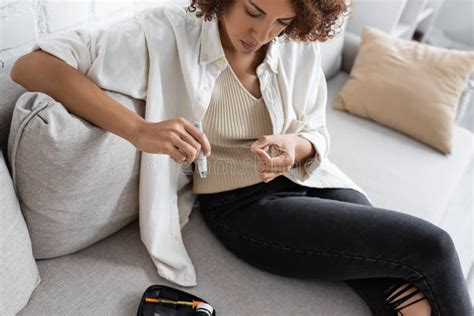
[
  {"x": 276, "y": 154},
  {"x": 177, "y": 138}
]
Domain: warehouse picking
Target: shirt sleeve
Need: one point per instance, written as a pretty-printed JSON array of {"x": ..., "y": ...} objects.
[
  {"x": 314, "y": 117},
  {"x": 116, "y": 58}
]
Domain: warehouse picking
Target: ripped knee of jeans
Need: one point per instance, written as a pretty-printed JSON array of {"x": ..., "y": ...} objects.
[{"x": 395, "y": 298}]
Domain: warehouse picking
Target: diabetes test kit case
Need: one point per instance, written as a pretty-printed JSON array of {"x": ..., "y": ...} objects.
[{"x": 161, "y": 300}]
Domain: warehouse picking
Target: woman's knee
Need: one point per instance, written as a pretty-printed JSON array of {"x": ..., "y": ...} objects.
[
  {"x": 443, "y": 244},
  {"x": 436, "y": 246}
]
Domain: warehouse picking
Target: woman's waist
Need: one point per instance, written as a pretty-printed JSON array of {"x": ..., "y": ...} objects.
[{"x": 246, "y": 193}]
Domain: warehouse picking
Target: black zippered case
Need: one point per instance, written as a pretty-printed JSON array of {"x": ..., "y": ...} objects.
[{"x": 164, "y": 292}]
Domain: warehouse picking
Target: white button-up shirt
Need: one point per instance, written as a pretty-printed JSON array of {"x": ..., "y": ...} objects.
[{"x": 171, "y": 59}]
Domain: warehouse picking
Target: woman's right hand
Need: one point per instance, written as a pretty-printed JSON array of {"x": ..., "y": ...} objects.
[{"x": 177, "y": 138}]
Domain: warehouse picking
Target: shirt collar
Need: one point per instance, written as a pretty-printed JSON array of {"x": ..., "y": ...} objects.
[{"x": 211, "y": 47}]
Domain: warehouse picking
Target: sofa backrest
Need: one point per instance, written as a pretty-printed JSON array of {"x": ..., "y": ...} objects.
[
  {"x": 9, "y": 93},
  {"x": 332, "y": 53}
]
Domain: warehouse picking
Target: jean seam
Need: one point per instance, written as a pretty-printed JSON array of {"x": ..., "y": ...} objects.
[{"x": 313, "y": 252}]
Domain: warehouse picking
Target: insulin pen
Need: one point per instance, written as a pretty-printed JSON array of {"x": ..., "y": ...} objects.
[{"x": 202, "y": 160}]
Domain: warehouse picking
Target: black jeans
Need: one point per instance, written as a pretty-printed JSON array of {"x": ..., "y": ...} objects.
[{"x": 336, "y": 234}]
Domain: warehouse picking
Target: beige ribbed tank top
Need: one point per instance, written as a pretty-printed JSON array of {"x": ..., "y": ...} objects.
[{"x": 233, "y": 121}]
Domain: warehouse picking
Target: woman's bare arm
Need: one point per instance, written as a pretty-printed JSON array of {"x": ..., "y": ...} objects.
[{"x": 42, "y": 72}]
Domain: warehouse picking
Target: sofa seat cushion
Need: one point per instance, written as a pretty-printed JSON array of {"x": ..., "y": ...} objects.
[{"x": 119, "y": 265}]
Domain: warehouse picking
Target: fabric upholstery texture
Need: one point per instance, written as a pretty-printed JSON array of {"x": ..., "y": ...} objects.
[
  {"x": 411, "y": 87},
  {"x": 76, "y": 182},
  {"x": 110, "y": 277},
  {"x": 19, "y": 275}
]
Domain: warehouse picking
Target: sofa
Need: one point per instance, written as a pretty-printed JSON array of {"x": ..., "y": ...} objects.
[{"x": 398, "y": 172}]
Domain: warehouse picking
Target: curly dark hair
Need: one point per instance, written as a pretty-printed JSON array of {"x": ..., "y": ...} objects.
[{"x": 316, "y": 20}]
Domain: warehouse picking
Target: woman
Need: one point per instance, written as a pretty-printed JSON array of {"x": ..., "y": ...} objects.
[{"x": 272, "y": 196}]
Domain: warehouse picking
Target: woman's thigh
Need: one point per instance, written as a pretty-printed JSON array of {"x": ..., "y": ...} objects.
[
  {"x": 295, "y": 234},
  {"x": 374, "y": 291},
  {"x": 332, "y": 234}
]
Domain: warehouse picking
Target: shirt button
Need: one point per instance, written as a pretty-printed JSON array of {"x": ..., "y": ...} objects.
[
  {"x": 206, "y": 88},
  {"x": 221, "y": 63},
  {"x": 205, "y": 57},
  {"x": 174, "y": 200}
]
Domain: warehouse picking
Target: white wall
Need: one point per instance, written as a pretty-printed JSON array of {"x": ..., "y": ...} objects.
[{"x": 24, "y": 21}]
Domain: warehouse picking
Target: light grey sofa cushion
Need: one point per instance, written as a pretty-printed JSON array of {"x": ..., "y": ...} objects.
[
  {"x": 120, "y": 266},
  {"x": 19, "y": 274},
  {"x": 76, "y": 182}
]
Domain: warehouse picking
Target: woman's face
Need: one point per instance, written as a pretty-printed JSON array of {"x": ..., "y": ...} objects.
[{"x": 247, "y": 25}]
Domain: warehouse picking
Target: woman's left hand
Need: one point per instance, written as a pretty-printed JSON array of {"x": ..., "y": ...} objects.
[{"x": 276, "y": 155}]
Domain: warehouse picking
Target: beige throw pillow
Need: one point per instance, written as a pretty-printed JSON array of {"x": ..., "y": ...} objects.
[{"x": 411, "y": 87}]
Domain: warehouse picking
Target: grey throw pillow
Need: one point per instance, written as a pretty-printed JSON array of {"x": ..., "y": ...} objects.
[
  {"x": 19, "y": 274},
  {"x": 76, "y": 182}
]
